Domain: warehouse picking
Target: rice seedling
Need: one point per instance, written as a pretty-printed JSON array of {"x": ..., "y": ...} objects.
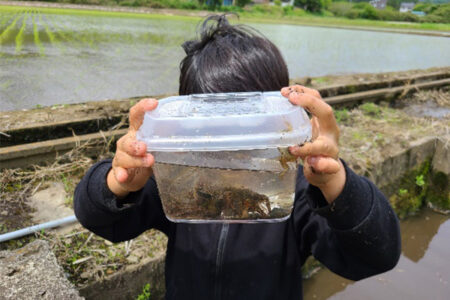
[
  {"x": 20, "y": 35},
  {"x": 6, "y": 18},
  {"x": 50, "y": 35},
  {"x": 4, "y": 36},
  {"x": 37, "y": 41},
  {"x": 62, "y": 32}
]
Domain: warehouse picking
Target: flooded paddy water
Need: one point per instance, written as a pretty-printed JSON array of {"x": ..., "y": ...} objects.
[
  {"x": 423, "y": 271},
  {"x": 49, "y": 58}
]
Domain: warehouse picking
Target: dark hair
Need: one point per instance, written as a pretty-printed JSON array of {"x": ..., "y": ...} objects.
[{"x": 229, "y": 58}]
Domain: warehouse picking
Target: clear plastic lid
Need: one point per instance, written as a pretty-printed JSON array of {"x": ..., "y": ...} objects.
[{"x": 227, "y": 121}]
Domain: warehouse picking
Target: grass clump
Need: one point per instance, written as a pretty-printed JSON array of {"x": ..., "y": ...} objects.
[
  {"x": 145, "y": 295},
  {"x": 370, "y": 109},
  {"x": 342, "y": 115},
  {"x": 420, "y": 187},
  {"x": 412, "y": 192}
]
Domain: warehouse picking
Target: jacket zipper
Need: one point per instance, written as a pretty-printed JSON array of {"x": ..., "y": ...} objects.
[{"x": 219, "y": 261}]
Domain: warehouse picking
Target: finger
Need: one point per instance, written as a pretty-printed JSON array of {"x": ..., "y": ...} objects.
[
  {"x": 126, "y": 161},
  {"x": 137, "y": 112},
  {"x": 323, "y": 165},
  {"x": 131, "y": 146},
  {"x": 121, "y": 174},
  {"x": 299, "y": 89},
  {"x": 318, "y": 108},
  {"x": 320, "y": 147},
  {"x": 315, "y": 128}
]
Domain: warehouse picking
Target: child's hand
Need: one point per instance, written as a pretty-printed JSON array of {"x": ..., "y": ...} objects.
[
  {"x": 322, "y": 167},
  {"x": 131, "y": 166}
]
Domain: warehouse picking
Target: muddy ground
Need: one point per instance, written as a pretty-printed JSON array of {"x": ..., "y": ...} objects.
[{"x": 369, "y": 134}]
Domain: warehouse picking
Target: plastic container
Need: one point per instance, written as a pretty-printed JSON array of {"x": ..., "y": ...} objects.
[{"x": 224, "y": 157}]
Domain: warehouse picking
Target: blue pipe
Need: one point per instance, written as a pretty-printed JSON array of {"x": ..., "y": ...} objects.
[{"x": 32, "y": 229}]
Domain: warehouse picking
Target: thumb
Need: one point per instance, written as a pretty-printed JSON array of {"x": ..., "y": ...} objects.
[{"x": 137, "y": 112}]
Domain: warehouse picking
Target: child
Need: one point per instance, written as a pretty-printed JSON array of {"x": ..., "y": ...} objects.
[{"x": 339, "y": 217}]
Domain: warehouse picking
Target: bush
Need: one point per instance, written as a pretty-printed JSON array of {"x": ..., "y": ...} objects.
[
  {"x": 444, "y": 12},
  {"x": 427, "y": 8},
  {"x": 310, "y": 5},
  {"x": 408, "y": 17},
  {"x": 293, "y": 11},
  {"x": 369, "y": 12},
  {"x": 242, "y": 3},
  {"x": 361, "y": 5},
  {"x": 190, "y": 5},
  {"x": 231, "y": 8},
  {"x": 353, "y": 13},
  {"x": 340, "y": 9},
  {"x": 265, "y": 9},
  {"x": 389, "y": 14}
]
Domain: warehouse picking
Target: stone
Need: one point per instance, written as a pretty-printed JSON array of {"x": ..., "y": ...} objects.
[
  {"x": 132, "y": 259},
  {"x": 32, "y": 272},
  {"x": 441, "y": 159},
  {"x": 50, "y": 204},
  {"x": 128, "y": 283}
]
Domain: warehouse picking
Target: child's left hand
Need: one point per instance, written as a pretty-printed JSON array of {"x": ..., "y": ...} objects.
[{"x": 321, "y": 164}]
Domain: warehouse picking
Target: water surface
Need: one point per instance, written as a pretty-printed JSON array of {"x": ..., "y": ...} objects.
[
  {"x": 423, "y": 271},
  {"x": 48, "y": 59}
]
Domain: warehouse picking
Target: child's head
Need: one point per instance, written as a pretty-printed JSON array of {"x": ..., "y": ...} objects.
[{"x": 229, "y": 58}]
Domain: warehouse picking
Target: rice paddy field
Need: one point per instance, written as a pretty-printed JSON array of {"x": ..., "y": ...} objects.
[{"x": 54, "y": 56}]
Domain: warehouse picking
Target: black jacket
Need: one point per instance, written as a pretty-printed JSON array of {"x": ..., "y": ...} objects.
[{"x": 356, "y": 237}]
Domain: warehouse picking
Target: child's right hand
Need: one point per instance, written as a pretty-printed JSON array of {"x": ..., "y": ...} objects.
[{"x": 131, "y": 166}]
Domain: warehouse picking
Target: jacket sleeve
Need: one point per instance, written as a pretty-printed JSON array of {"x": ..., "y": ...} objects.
[
  {"x": 100, "y": 211},
  {"x": 356, "y": 236}
]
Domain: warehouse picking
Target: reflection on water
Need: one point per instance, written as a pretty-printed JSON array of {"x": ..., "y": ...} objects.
[
  {"x": 50, "y": 59},
  {"x": 423, "y": 271}
]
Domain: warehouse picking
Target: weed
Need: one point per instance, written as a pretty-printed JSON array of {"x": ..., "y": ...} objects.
[
  {"x": 322, "y": 79},
  {"x": 341, "y": 115},
  {"x": 371, "y": 109},
  {"x": 414, "y": 191},
  {"x": 357, "y": 135},
  {"x": 402, "y": 192},
  {"x": 3, "y": 228},
  {"x": 420, "y": 180},
  {"x": 145, "y": 295}
]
